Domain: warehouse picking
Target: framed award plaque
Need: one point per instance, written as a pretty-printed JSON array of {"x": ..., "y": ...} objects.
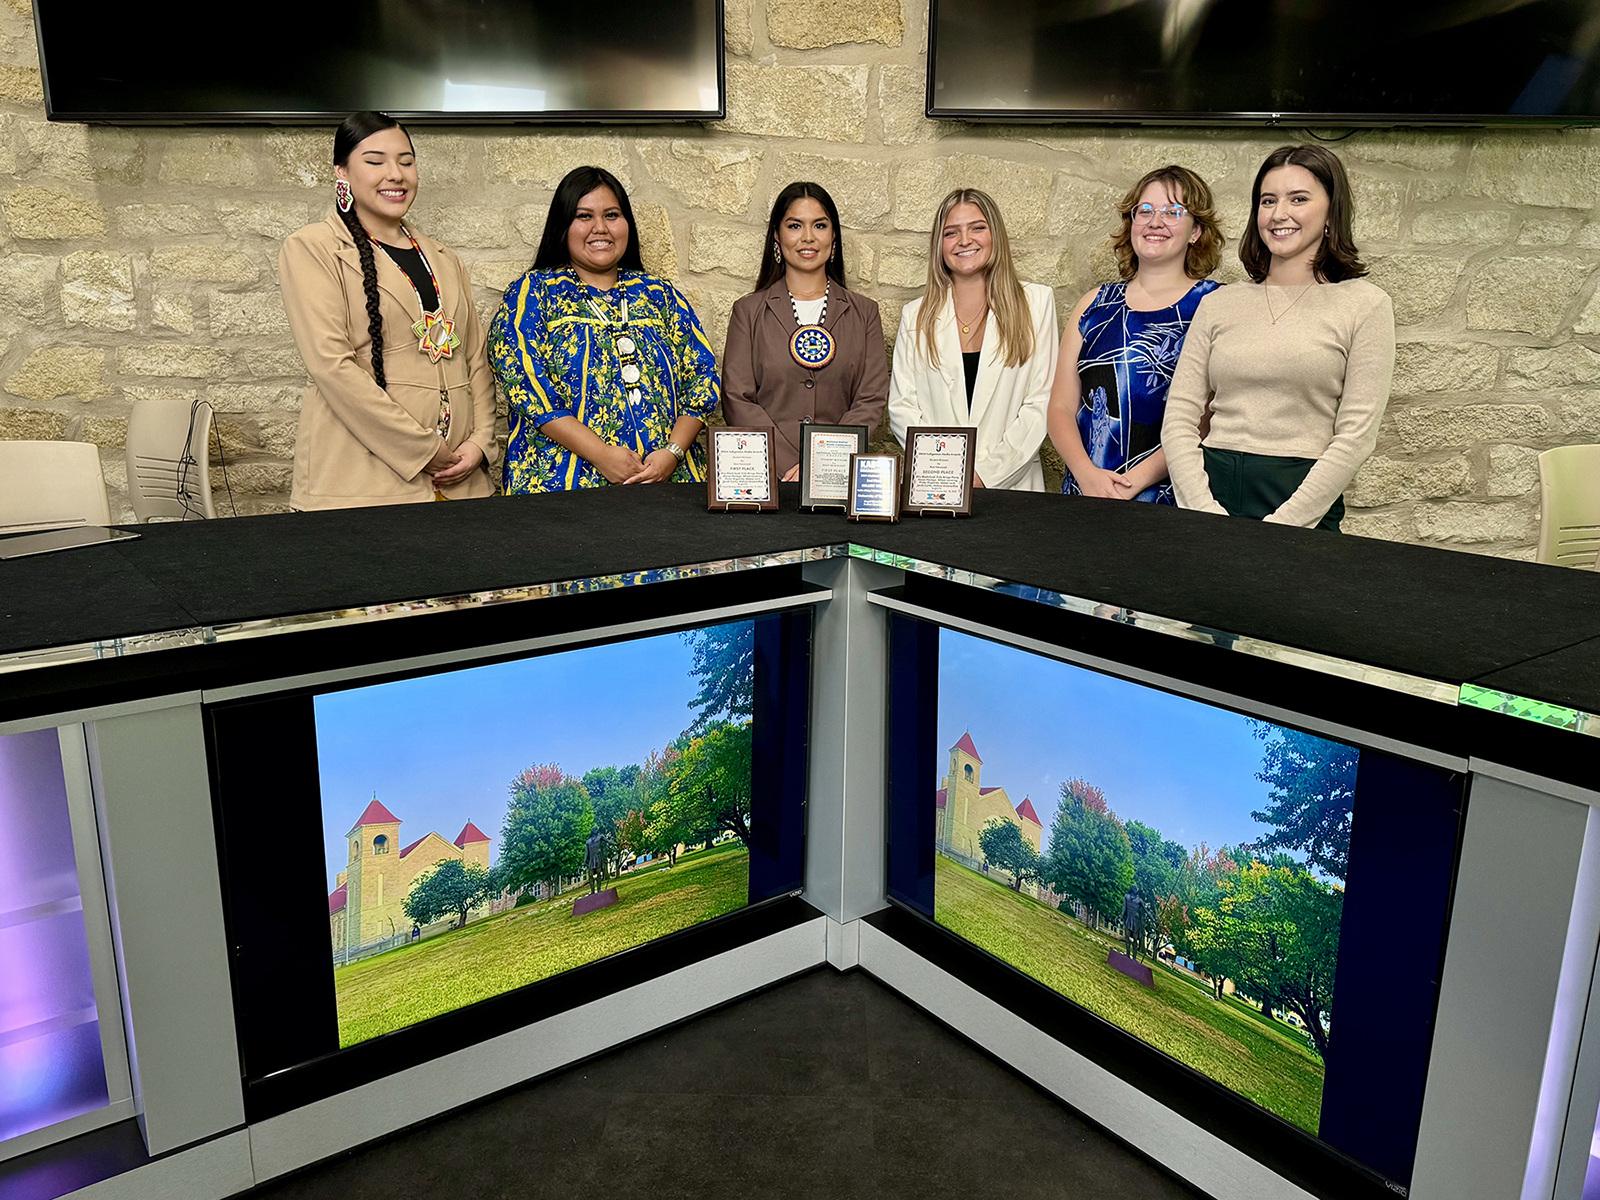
[
  {"x": 874, "y": 488},
  {"x": 741, "y": 471},
  {"x": 825, "y": 452},
  {"x": 940, "y": 466}
]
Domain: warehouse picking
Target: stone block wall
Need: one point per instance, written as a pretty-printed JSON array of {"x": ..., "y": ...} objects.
[{"x": 142, "y": 261}]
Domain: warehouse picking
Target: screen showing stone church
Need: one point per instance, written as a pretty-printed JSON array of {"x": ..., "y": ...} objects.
[
  {"x": 1265, "y": 907},
  {"x": 491, "y": 827},
  {"x": 1175, "y": 868}
]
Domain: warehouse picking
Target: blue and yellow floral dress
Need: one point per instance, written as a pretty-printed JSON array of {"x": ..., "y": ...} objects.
[
  {"x": 557, "y": 357},
  {"x": 1124, "y": 370}
]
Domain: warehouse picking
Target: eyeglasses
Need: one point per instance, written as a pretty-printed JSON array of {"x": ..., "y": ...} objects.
[{"x": 1145, "y": 213}]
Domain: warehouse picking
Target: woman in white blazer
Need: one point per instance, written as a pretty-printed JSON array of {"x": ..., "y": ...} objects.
[{"x": 979, "y": 347}]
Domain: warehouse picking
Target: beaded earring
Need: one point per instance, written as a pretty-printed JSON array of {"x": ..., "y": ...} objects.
[
  {"x": 777, "y": 252},
  {"x": 343, "y": 196}
]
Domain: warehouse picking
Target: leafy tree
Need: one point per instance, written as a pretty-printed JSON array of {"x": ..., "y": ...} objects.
[
  {"x": 710, "y": 792},
  {"x": 1089, "y": 859},
  {"x": 451, "y": 888},
  {"x": 1154, "y": 875},
  {"x": 1275, "y": 933},
  {"x": 632, "y": 837},
  {"x": 664, "y": 829},
  {"x": 1004, "y": 846},
  {"x": 1312, "y": 784},
  {"x": 1171, "y": 920},
  {"x": 724, "y": 658},
  {"x": 546, "y": 826},
  {"x": 612, "y": 792}
]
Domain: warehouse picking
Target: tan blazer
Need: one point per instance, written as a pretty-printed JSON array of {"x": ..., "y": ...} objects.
[
  {"x": 359, "y": 444},
  {"x": 763, "y": 386},
  {"x": 1008, "y": 403}
]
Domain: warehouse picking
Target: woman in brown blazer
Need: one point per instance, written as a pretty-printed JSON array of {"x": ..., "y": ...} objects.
[
  {"x": 802, "y": 283},
  {"x": 401, "y": 402}
]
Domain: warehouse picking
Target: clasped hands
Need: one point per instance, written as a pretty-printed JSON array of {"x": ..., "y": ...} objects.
[
  {"x": 622, "y": 465},
  {"x": 1109, "y": 485},
  {"x": 449, "y": 467}
]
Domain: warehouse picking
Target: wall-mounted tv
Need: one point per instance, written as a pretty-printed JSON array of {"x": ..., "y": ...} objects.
[
  {"x": 1213, "y": 61},
  {"x": 440, "y": 60},
  {"x": 1263, "y": 907},
  {"x": 415, "y": 864}
]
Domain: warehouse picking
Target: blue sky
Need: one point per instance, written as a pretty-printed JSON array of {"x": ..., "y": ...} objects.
[
  {"x": 1186, "y": 768},
  {"x": 441, "y": 750}
]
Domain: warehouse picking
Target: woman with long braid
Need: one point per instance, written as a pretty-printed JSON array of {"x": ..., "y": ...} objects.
[{"x": 401, "y": 402}]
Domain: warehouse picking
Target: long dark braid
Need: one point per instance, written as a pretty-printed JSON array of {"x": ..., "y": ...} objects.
[{"x": 352, "y": 131}]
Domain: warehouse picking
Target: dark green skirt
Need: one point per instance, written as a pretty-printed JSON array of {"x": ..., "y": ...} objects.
[{"x": 1254, "y": 485}]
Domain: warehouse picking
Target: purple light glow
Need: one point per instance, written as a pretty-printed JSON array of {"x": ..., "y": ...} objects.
[{"x": 50, "y": 1062}]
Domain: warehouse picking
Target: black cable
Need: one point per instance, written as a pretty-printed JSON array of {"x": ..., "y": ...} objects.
[
  {"x": 223, "y": 459},
  {"x": 1315, "y": 136}
]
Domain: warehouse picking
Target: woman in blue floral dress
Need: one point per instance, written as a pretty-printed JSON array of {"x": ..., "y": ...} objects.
[
  {"x": 1105, "y": 416},
  {"x": 607, "y": 373}
]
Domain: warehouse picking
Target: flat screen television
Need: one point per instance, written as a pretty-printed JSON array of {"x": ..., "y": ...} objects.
[
  {"x": 414, "y": 864},
  {"x": 1248, "y": 61},
  {"x": 421, "y": 60},
  {"x": 1263, "y": 908}
]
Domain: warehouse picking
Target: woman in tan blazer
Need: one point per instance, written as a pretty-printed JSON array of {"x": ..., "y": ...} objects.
[
  {"x": 801, "y": 282},
  {"x": 401, "y": 402}
]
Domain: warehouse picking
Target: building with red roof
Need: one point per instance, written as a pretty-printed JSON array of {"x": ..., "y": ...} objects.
[
  {"x": 966, "y": 806},
  {"x": 367, "y": 904}
]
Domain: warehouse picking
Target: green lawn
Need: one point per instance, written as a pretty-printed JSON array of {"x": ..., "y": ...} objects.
[
  {"x": 1226, "y": 1040},
  {"x": 401, "y": 987}
]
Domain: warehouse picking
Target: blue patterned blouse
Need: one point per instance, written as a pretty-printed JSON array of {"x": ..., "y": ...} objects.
[
  {"x": 556, "y": 357},
  {"x": 1125, "y": 368}
]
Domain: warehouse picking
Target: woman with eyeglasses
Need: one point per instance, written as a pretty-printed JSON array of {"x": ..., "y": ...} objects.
[
  {"x": 1283, "y": 380},
  {"x": 607, "y": 373},
  {"x": 769, "y": 381},
  {"x": 1124, "y": 339},
  {"x": 978, "y": 347}
]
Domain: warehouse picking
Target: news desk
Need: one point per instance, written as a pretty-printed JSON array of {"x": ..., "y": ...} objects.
[{"x": 1477, "y": 664}]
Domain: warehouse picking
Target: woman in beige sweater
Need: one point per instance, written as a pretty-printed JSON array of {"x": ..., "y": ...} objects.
[{"x": 1291, "y": 370}]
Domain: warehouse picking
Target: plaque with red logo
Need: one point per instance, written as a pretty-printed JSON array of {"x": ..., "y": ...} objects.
[
  {"x": 939, "y": 471},
  {"x": 741, "y": 471}
]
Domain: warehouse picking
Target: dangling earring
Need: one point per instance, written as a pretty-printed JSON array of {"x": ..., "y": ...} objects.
[
  {"x": 342, "y": 196},
  {"x": 777, "y": 252}
]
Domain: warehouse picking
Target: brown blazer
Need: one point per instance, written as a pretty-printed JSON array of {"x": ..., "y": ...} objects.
[
  {"x": 763, "y": 387},
  {"x": 359, "y": 444}
]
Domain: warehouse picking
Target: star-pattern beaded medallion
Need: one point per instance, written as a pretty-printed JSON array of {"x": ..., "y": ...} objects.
[
  {"x": 812, "y": 346},
  {"x": 436, "y": 335}
]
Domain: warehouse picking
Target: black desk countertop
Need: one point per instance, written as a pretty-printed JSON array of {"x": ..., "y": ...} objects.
[{"x": 1451, "y": 617}]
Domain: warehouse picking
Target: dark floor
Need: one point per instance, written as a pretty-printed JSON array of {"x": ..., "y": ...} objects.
[{"x": 826, "y": 1086}]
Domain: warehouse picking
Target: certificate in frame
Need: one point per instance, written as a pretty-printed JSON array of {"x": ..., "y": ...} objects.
[
  {"x": 741, "y": 470},
  {"x": 874, "y": 488},
  {"x": 940, "y": 467},
  {"x": 825, "y": 452}
]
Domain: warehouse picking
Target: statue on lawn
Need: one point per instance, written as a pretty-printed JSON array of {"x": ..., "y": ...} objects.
[
  {"x": 1132, "y": 912},
  {"x": 594, "y": 859}
]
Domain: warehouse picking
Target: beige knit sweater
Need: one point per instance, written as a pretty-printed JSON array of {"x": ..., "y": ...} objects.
[{"x": 1313, "y": 384}]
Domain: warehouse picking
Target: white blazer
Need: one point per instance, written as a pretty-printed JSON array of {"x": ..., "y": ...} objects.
[{"x": 1008, "y": 403}]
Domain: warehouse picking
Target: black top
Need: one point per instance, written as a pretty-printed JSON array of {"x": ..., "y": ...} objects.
[
  {"x": 969, "y": 363},
  {"x": 409, "y": 260}
]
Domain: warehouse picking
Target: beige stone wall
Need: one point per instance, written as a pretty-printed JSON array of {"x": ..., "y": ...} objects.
[{"x": 142, "y": 262}]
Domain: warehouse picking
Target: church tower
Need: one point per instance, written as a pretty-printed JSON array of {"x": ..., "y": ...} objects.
[{"x": 373, "y": 845}]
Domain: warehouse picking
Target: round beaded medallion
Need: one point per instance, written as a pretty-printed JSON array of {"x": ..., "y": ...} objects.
[{"x": 812, "y": 346}]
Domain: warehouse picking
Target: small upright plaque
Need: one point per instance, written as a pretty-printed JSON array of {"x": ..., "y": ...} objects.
[
  {"x": 939, "y": 470},
  {"x": 874, "y": 488},
  {"x": 741, "y": 471},
  {"x": 825, "y": 452}
]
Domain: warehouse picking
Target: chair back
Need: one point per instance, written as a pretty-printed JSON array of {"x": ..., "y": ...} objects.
[
  {"x": 47, "y": 485},
  {"x": 1569, "y": 506},
  {"x": 169, "y": 460}
]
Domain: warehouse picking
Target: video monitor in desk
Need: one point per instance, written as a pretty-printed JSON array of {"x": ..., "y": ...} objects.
[
  {"x": 487, "y": 828},
  {"x": 1264, "y": 907},
  {"x": 415, "y": 864}
]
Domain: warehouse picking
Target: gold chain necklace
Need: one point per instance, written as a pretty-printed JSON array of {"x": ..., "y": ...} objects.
[{"x": 1287, "y": 307}]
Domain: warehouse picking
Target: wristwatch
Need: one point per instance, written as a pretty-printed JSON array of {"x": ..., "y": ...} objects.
[{"x": 678, "y": 452}]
